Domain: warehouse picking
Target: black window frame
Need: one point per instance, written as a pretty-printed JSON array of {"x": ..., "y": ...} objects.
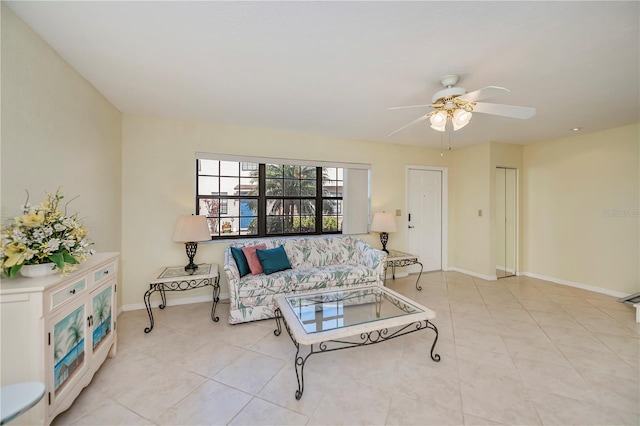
[{"x": 262, "y": 199}]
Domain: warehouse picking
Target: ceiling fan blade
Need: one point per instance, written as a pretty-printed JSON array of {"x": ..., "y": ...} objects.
[
  {"x": 410, "y": 106},
  {"x": 504, "y": 110},
  {"x": 417, "y": 120},
  {"x": 484, "y": 93}
]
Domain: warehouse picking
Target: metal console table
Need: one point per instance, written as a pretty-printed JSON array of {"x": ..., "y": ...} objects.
[
  {"x": 397, "y": 258},
  {"x": 175, "y": 278}
]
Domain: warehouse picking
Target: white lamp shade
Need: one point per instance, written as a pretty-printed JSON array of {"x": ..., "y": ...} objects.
[
  {"x": 383, "y": 222},
  {"x": 439, "y": 121},
  {"x": 191, "y": 229},
  {"x": 460, "y": 118}
]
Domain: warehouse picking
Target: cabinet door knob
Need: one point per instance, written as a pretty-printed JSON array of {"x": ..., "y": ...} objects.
[
  {"x": 72, "y": 291},
  {"x": 106, "y": 272}
]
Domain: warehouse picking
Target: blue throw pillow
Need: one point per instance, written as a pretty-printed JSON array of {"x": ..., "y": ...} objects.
[
  {"x": 273, "y": 260},
  {"x": 241, "y": 261}
]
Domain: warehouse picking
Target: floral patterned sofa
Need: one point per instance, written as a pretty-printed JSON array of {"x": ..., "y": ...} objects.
[{"x": 317, "y": 263}]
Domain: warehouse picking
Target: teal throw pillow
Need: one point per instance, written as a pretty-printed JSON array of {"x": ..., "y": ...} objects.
[
  {"x": 273, "y": 260},
  {"x": 241, "y": 261}
]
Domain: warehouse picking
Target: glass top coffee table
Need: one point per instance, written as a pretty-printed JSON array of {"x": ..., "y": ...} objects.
[{"x": 332, "y": 320}]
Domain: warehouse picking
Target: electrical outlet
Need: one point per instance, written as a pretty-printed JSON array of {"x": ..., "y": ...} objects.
[
  {"x": 398, "y": 213},
  {"x": 479, "y": 213}
]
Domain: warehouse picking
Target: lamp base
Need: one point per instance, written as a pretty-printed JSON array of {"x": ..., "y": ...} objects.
[
  {"x": 191, "y": 268},
  {"x": 191, "y": 249},
  {"x": 384, "y": 238}
]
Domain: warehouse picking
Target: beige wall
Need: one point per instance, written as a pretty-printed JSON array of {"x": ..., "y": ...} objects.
[
  {"x": 570, "y": 187},
  {"x": 57, "y": 131},
  {"x": 470, "y": 188},
  {"x": 159, "y": 184}
]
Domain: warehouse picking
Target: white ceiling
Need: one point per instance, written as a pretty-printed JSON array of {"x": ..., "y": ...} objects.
[{"x": 333, "y": 68}]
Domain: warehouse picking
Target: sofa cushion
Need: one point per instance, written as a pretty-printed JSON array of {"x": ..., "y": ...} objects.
[
  {"x": 292, "y": 280},
  {"x": 273, "y": 260},
  {"x": 252, "y": 258},
  {"x": 241, "y": 261}
]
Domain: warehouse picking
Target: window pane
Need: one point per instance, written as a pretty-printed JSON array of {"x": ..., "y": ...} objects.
[
  {"x": 229, "y": 185},
  {"x": 308, "y": 188},
  {"x": 209, "y": 207},
  {"x": 329, "y": 223},
  {"x": 329, "y": 207},
  {"x": 207, "y": 185},
  {"x": 252, "y": 227},
  {"x": 227, "y": 225},
  {"x": 308, "y": 172},
  {"x": 229, "y": 168},
  {"x": 291, "y": 207},
  {"x": 291, "y": 224},
  {"x": 274, "y": 170},
  {"x": 273, "y": 187},
  {"x": 214, "y": 226},
  {"x": 209, "y": 167},
  {"x": 248, "y": 186},
  {"x": 307, "y": 207},
  {"x": 274, "y": 224},
  {"x": 224, "y": 207},
  {"x": 332, "y": 207},
  {"x": 291, "y": 188},
  {"x": 274, "y": 207},
  {"x": 338, "y": 206},
  {"x": 328, "y": 173},
  {"x": 307, "y": 224}
]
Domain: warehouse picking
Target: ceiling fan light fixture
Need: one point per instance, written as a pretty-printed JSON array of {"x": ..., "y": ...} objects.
[
  {"x": 456, "y": 105},
  {"x": 460, "y": 118},
  {"x": 439, "y": 121}
]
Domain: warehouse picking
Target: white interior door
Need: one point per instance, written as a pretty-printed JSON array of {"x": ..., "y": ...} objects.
[{"x": 424, "y": 194}]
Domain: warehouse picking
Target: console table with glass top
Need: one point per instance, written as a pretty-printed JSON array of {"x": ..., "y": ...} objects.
[
  {"x": 175, "y": 278},
  {"x": 397, "y": 258}
]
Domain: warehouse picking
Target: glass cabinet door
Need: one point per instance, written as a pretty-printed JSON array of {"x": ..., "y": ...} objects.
[
  {"x": 102, "y": 316},
  {"x": 68, "y": 347}
]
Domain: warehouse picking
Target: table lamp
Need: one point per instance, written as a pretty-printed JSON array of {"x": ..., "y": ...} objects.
[
  {"x": 190, "y": 230},
  {"x": 383, "y": 223}
]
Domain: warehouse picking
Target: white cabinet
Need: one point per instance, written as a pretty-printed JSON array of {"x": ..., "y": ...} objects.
[{"x": 58, "y": 331}]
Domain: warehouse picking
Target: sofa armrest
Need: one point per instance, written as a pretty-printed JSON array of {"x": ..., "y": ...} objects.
[
  {"x": 372, "y": 258},
  {"x": 233, "y": 274}
]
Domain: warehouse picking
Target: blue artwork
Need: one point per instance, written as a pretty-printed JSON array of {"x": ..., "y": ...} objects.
[{"x": 68, "y": 348}]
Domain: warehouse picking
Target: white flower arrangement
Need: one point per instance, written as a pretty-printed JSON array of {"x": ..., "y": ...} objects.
[{"x": 43, "y": 234}]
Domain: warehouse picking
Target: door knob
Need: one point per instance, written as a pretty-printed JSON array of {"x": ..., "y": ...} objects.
[{"x": 411, "y": 226}]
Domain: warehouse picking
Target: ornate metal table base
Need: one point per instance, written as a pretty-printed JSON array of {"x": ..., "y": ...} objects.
[
  {"x": 369, "y": 338},
  {"x": 403, "y": 262},
  {"x": 181, "y": 285}
]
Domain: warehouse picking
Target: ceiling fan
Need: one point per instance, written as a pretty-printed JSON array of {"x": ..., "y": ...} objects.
[{"x": 455, "y": 105}]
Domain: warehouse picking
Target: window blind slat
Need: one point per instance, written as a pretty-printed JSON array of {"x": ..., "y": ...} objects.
[{"x": 356, "y": 201}]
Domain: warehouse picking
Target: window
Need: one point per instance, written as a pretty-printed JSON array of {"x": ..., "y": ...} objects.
[{"x": 259, "y": 197}]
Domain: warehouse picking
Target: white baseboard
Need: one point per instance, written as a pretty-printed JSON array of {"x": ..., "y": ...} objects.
[
  {"x": 504, "y": 268},
  {"x": 575, "y": 284},
  {"x": 174, "y": 302},
  {"x": 473, "y": 274}
]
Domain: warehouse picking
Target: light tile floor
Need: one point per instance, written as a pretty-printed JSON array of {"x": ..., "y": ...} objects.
[{"x": 514, "y": 351}]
